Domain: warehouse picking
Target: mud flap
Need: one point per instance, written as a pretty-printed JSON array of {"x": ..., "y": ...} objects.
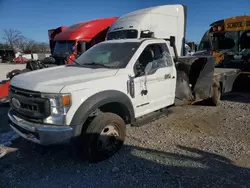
[
  {"x": 194, "y": 78},
  {"x": 183, "y": 93},
  {"x": 242, "y": 83}
]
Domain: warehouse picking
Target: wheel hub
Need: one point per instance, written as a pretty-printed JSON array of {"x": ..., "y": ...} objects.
[{"x": 109, "y": 138}]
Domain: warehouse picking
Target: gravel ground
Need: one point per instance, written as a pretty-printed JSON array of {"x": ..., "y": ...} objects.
[{"x": 194, "y": 146}]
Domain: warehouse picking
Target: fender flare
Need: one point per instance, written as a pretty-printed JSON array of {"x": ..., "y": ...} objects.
[{"x": 96, "y": 101}]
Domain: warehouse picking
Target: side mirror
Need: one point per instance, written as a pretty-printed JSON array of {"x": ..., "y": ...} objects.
[
  {"x": 82, "y": 47},
  {"x": 148, "y": 68},
  {"x": 147, "y": 34},
  {"x": 172, "y": 41}
]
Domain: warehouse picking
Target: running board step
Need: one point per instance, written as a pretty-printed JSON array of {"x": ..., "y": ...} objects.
[{"x": 140, "y": 121}]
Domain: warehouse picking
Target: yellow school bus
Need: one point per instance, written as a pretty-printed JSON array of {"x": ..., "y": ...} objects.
[
  {"x": 229, "y": 37},
  {"x": 229, "y": 41}
]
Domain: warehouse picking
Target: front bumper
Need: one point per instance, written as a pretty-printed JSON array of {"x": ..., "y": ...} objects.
[{"x": 40, "y": 133}]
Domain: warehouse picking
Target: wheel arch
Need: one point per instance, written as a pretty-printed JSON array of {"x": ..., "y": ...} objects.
[{"x": 106, "y": 101}]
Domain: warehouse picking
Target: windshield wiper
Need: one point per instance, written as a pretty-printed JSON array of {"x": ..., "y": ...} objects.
[
  {"x": 73, "y": 60},
  {"x": 99, "y": 64}
]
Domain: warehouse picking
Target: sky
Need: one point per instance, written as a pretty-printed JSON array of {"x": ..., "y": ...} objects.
[{"x": 33, "y": 18}]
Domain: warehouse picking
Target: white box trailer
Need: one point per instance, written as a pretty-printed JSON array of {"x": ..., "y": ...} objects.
[{"x": 162, "y": 21}]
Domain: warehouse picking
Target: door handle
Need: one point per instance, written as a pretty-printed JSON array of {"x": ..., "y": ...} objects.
[
  {"x": 173, "y": 77},
  {"x": 167, "y": 76}
]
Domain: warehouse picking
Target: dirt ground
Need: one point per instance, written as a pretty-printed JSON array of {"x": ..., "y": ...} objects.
[{"x": 193, "y": 146}]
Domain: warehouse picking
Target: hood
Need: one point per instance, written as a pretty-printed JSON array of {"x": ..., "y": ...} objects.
[{"x": 53, "y": 80}]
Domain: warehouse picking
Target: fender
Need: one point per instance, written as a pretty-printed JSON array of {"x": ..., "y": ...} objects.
[{"x": 96, "y": 101}]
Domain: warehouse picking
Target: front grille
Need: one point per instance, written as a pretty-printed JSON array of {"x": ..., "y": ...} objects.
[
  {"x": 31, "y": 103},
  {"x": 24, "y": 92}
]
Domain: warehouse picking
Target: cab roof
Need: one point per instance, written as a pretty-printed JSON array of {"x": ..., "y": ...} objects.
[
  {"x": 160, "y": 9},
  {"x": 233, "y": 17},
  {"x": 141, "y": 19},
  {"x": 139, "y": 40},
  {"x": 85, "y": 30}
]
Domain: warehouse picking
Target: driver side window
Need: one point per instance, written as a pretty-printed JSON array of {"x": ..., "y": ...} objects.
[{"x": 157, "y": 54}]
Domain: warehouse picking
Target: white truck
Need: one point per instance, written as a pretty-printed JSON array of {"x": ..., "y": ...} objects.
[{"x": 133, "y": 74}]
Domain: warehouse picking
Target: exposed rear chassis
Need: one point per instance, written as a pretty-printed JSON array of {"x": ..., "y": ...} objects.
[{"x": 197, "y": 78}]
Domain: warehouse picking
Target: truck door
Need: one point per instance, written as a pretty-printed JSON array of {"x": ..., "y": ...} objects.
[{"x": 155, "y": 79}]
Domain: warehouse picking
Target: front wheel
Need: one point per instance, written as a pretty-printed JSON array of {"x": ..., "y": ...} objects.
[{"x": 104, "y": 136}]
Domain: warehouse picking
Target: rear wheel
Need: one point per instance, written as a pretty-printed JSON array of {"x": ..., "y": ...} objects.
[{"x": 104, "y": 136}]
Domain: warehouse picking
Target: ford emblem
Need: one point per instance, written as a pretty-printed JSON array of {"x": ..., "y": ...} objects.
[{"x": 15, "y": 103}]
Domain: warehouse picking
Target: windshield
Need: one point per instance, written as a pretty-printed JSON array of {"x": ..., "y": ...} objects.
[
  {"x": 236, "y": 42},
  {"x": 244, "y": 42},
  {"x": 225, "y": 41},
  {"x": 109, "y": 55},
  {"x": 123, "y": 34},
  {"x": 205, "y": 43},
  {"x": 62, "y": 47}
]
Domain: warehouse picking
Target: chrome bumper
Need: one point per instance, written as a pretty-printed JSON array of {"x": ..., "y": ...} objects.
[{"x": 40, "y": 133}]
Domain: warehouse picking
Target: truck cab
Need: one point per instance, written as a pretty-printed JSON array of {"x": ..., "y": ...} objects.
[
  {"x": 102, "y": 87},
  {"x": 70, "y": 42}
]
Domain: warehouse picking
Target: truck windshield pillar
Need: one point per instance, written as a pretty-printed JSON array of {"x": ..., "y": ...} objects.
[
  {"x": 81, "y": 47},
  {"x": 205, "y": 43}
]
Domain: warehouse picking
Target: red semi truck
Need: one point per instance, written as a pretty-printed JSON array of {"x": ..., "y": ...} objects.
[{"x": 67, "y": 43}]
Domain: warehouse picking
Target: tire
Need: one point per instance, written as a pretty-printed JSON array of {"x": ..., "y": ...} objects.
[
  {"x": 216, "y": 96},
  {"x": 98, "y": 134},
  {"x": 13, "y": 73},
  {"x": 24, "y": 71}
]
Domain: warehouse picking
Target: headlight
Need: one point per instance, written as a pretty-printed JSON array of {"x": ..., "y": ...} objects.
[{"x": 59, "y": 106}]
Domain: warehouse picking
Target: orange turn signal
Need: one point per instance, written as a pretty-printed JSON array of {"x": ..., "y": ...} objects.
[{"x": 66, "y": 100}]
